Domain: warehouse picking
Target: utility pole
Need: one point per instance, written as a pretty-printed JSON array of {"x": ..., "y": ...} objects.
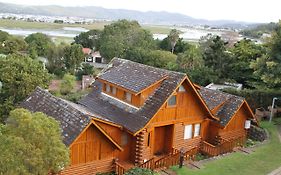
[{"x": 271, "y": 113}]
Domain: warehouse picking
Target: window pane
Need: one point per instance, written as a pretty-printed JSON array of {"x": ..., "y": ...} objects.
[
  {"x": 107, "y": 88},
  {"x": 114, "y": 90},
  {"x": 196, "y": 130},
  {"x": 128, "y": 96},
  {"x": 188, "y": 132},
  {"x": 181, "y": 89},
  {"x": 172, "y": 101}
]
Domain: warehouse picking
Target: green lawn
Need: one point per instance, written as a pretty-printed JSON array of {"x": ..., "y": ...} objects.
[
  {"x": 98, "y": 25},
  {"x": 265, "y": 159}
]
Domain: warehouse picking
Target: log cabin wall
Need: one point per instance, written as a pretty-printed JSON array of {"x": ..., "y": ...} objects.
[{"x": 236, "y": 126}]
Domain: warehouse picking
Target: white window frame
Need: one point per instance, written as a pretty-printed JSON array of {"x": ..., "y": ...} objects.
[
  {"x": 181, "y": 88},
  {"x": 197, "y": 129},
  {"x": 187, "y": 132}
]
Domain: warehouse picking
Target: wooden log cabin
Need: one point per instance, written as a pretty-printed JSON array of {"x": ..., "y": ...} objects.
[{"x": 136, "y": 113}]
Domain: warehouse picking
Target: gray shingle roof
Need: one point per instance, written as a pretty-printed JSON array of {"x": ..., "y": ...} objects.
[
  {"x": 132, "y": 76},
  {"x": 133, "y": 121},
  {"x": 230, "y": 103},
  {"x": 73, "y": 118}
]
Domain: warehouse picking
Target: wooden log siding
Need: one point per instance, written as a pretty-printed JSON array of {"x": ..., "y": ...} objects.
[{"x": 90, "y": 168}]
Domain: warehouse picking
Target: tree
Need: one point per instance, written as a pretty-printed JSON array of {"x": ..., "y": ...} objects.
[
  {"x": 55, "y": 57},
  {"x": 40, "y": 43},
  {"x": 12, "y": 45},
  {"x": 73, "y": 57},
  {"x": 267, "y": 67},
  {"x": 31, "y": 143},
  {"x": 88, "y": 39},
  {"x": 244, "y": 52},
  {"x": 180, "y": 46},
  {"x": 161, "y": 59},
  {"x": 215, "y": 55},
  {"x": 86, "y": 69},
  {"x": 67, "y": 84},
  {"x": 19, "y": 75},
  {"x": 173, "y": 38},
  {"x": 3, "y": 36},
  {"x": 191, "y": 59},
  {"x": 122, "y": 36}
]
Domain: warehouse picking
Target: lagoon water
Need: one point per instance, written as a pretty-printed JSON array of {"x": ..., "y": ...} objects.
[{"x": 190, "y": 34}]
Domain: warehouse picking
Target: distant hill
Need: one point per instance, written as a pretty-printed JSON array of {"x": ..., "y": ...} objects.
[{"x": 149, "y": 17}]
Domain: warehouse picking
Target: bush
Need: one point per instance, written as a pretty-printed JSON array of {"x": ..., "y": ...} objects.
[{"x": 67, "y": 84}]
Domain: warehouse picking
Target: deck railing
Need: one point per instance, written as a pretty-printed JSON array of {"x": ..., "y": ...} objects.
[
  {"x": 119, "y": 169},
  {"x": 167, "y": 161},
  {"x": 225, "y": 146},
  {"x": 149, "y": 164}
]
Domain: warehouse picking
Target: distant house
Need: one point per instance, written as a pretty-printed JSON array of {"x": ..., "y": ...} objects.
[
  {"x": 138, "y": 115},
  {"x": 94, "y": 58},
  {"x": 225, "y": 85}
]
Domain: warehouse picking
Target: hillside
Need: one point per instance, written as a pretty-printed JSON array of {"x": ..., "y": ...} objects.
[
  {"x": 149, "y": 17},
  {"x": 256, "y": 31}
]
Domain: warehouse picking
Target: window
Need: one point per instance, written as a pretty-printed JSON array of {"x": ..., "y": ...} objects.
[
  {"x": 128, "y": 96},
  {"x": 107, "y": 88},
  {"x": 113, "y": 90},
  {"x": 172, "y": 101},
  {"x": 187, "y": 131},
  {"x": 197, "y": 130},
  {"x": 181, "y": 89},
  {"x": 124, "y": 139}
]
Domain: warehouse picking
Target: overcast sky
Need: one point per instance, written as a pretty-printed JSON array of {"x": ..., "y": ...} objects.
[{"x": 240, "y": 10}]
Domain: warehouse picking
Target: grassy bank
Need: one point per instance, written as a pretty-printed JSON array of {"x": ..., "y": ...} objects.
[
  {"x": 265, "y": 159},
  {"x": 5, "y": 23}
]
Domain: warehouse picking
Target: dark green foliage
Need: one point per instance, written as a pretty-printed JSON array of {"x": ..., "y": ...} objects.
[
  {"x": 180, "y": 47},
  {"x": 257, "y": 31},
  {"x": 20, "y": 75},
  {"x": 3, "y": 36},
  {"x": 202, "y": 76},
  {"x": 268, "y": 66},
  {"x": 122, "y": 36},
  {"x": 215, "y": 55},
  {"x": 31, "y": 143},
  {"x": 38, "y": 42},
  {"x": 13, "y": 44},
  {"x": 72, "y": 96},
  {"x": 55, "y": 57},
  {"x": 244, "y": 52},
  {"x": 68, "y": 83},
  {"x": 73, "y": 57},
  {"x": 86, "y": 69},
  {"x": 258, "y": 97},
  {"x": 139, "y": 171},
  {"x": 88, "y": 39}
]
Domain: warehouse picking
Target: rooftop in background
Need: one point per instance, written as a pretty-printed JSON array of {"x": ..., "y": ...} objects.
[{"x": 226, "y": 85}]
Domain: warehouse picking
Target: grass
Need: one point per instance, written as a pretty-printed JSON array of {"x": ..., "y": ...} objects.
[
  {"x": 265, "y": 159},
  {"x": 6, "y": 23}
]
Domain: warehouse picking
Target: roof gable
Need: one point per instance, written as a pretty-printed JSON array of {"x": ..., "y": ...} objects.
[{"x": 72, "y": 117}]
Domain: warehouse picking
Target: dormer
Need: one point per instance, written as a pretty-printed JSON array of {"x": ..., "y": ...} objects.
[{"x": 130, "y": 83}]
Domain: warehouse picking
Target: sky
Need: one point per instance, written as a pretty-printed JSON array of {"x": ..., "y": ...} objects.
[{"x": 239, "y": 10}]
